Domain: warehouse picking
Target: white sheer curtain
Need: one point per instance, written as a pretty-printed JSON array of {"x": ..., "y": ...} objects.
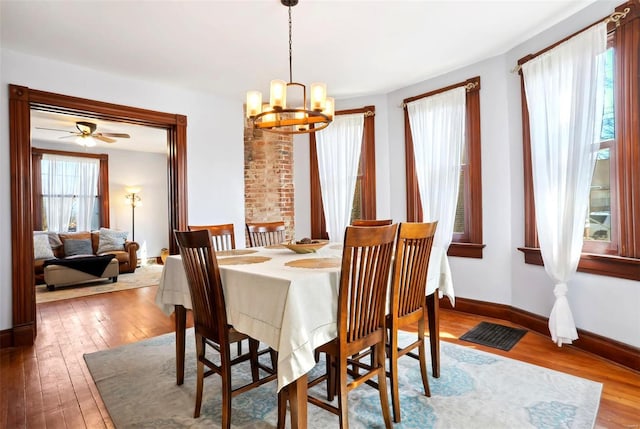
[
  {"x": 564, "y": 89},
  {"x": 65, "y": 179},
  {"x": 438, "y": 132},
  {"x": 338, "y": 148},
  {"x": 87, "y": 190},
  {"x": 57, "y": 192}
]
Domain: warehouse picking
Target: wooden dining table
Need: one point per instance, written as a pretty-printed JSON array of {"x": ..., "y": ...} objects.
[{"x": 285, "y": 300}]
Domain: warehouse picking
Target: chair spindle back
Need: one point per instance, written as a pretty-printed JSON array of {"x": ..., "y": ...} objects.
[
  {"x": 266, "y": 233},
  {"x": 366, "y": 262},
  {"x": 205, "y": 285},
  {"x": 222, "y": 236}
]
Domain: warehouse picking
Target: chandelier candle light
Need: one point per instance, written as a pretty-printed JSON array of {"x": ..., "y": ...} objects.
[{"x": 277, "y": 116}]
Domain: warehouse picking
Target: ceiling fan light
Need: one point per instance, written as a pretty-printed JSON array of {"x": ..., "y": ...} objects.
[{"x": 86, "y": 141}]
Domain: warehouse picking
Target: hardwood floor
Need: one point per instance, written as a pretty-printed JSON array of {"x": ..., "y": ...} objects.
[{"x": 48, "y": 385}]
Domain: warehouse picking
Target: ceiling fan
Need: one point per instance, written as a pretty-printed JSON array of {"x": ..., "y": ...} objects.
[{"x": 87, "y": 132}]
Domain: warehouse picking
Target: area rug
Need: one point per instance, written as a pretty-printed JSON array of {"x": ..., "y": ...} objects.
[
  {"x": 475, "y": 390},
  {"x": 146, "y": 275},
  {"x": 494, "y": 335}
]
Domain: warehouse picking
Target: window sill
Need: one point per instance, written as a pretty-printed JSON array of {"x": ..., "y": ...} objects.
[
  {"x": 466, "y": 250},
  {"x": 603, "y": 265}
]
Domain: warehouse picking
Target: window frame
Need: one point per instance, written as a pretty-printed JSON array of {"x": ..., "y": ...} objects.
[
  {"x": 36, "y": 179},
  {"x": 469, "y": 244},
  {"x": 368, "y": 168},
  {"x": 625, "y": 261}
]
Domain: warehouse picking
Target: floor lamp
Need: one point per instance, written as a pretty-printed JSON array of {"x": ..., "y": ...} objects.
[{"x": 133, "y": 198}]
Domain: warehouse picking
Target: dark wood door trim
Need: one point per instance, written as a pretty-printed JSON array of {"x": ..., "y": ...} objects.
[{"x": 21, "y": 101}]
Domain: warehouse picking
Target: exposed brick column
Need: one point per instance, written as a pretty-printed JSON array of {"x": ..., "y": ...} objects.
[{"x": 268, "y": 178}]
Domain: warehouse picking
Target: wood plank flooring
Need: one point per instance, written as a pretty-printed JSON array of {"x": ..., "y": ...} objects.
[{"x": 48, "y": 385}]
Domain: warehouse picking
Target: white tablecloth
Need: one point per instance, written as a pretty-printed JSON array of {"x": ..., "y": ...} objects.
[{"x": 293, "y": 310}]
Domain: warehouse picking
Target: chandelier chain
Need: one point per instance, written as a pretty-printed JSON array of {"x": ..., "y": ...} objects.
[{"x": 290, "y": 49}]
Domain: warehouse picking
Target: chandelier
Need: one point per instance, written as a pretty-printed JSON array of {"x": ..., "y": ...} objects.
[{"x": 278, "y": 116}]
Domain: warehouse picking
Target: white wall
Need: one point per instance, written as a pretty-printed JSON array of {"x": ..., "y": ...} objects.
[
  {"x": 215, "y": 155},
  {"x": 603, "y": 305},
  {"x": 149, "y": 172}
]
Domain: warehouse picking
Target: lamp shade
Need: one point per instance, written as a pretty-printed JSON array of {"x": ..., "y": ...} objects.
[
  {"x": 254, "y": 103},
  {"x": 318, "y": 96},
  {"x": 329, "y": 107},
  {"x": 278, "y": 94}
]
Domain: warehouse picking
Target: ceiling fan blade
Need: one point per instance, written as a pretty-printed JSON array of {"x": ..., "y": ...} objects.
[
  {"x": 101, "y": 137},
  {"x": 55, "y": 129},
  {"x": 72, "y": 135},
  {"x": 117, "y": 135}
]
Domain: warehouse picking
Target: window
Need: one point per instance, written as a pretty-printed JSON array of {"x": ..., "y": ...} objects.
[
  {"x": 598, "y": 234},
  {"x": 364, "y": 199},
  {"x": 85, "y": 202},
  {"x": 467, "y": 235},
  {"x": 612, "y": 232}
]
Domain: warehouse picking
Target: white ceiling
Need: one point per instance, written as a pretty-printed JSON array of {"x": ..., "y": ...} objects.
[
  {"x": 227, "y": 47},
  {"x": 142, "y": 139}
]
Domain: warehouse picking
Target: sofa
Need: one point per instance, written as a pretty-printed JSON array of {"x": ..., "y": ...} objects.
[{"x": 81, "y": 244}]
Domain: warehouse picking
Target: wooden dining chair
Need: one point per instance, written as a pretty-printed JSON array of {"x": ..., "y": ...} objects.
[
  {"x": 432, "y": 308},
  {"x": 222, "y": 236},
  {"x": 210, "y": 322},
  {"x": 266, "y": 233},
  {"x": 364, "y": 277},
  {"x": 407, "y": 300},
  {"x": 371, "y": 222}
]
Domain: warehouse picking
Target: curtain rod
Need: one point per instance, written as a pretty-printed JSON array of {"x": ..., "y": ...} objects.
[
  {"x": 469, "y": 86},
  {"x": 615, "y": 17}
]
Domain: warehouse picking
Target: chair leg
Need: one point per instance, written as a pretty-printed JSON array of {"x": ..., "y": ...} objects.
[
  {"x": 253, "y": 358},
  {"x": 423, "y": 358},
  {"x": 225, "y": 375},
  {"x": 393, "y": 365},
  {"x": 343, "y": 406},
  {"x": 200, "y": 377},
  {"x": 331, "y": 377},
  {"x": 433, "y": 306},
  {"x": 282, "y": 408},
  {"x": 274, "y": 360},
  {"x": 382, "y": 384}
]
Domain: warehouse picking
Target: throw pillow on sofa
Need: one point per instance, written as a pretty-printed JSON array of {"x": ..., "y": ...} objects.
[
  {"x": 111, "y": 240},
  {"x": 41, "y": 247},
  {"x": 54, "y": 239},
  {"x": 78, "y": 247}
]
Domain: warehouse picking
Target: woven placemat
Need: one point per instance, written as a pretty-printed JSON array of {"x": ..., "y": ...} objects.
[
  {"x": 494, "y": 335},
  {"x": 315, "y": 263},
  {"x": 239, "y": 260},
  {"x": 235, "y": 252},
  {"x": 275, "y": 246}
]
